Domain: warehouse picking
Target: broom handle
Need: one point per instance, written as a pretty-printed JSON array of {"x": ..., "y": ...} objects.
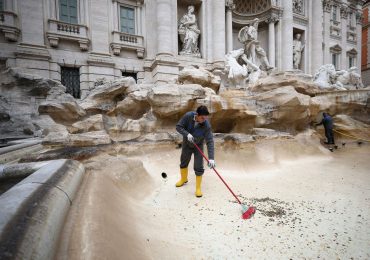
[{"x": 218, "y": 174}]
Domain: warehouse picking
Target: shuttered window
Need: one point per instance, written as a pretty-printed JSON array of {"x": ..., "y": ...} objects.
[
  {"x": 127, "y": 19},
  {"x": 68, "y": 11}
]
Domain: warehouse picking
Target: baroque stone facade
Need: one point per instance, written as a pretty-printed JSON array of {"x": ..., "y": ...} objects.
[{"x": 142, "y": 38}]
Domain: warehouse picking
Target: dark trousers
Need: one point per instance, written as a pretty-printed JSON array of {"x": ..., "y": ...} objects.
[
  {"x": 186, "y": 153},
  {"x": 329, "y": 135}
]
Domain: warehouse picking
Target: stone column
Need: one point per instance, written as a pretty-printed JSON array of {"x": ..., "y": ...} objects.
[
  {"x": 271, "y": 22},
  {"x": 164, "y": 35},
  {"x": 316, "y": 38},
  {"x": 327, "y": 12},
  {"x": 115, "y": 16},
  {"x": 165, "y": 68},
  {"x": 229, "y": 25},
  {"x": 287, "y": 35},
  {"x": 343, "y": 16},
  {"x": 218, "y": 21},
  {"x": 359, "y": 36},
  {"x": 53, "y": 8}
]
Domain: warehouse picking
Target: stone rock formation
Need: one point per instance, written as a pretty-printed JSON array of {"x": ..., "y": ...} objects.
[
  {"x": 201, "y": 76},
  {"x": 280, "y": 104}
]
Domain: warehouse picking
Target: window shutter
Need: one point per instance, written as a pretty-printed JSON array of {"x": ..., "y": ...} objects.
[
  {"x": 72, "y": 11},
  {"x": 63, "y": 11},
  {"x": 127, "y": 18}
]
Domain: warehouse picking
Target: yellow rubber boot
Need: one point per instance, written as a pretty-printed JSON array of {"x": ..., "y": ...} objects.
[
  {"x": 198, "y": 183},
  {"x": 184, "y": 177}
]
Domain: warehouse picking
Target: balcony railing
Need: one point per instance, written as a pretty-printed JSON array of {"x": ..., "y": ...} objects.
[
  {"x": 127, "y": 41},
  {"x": 59, "y": 30},
  {"x": 9, "y": 25}
]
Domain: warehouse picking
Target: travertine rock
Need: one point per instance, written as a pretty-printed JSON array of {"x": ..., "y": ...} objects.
[
  {"x": 172, "y": 100},
  {"x": 89, "y": 139},
  {"x": 62, "y": 110},
  {"x": 201, "y": 76},
  {"x": 20, "y": 96},
  {"x": 276, "y": 106},
  {"x": 92, "y": 123},
  {"x": 105, "y": 97}
]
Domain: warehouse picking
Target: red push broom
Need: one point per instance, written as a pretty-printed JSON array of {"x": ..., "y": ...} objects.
[{"x": 246, "y": 212}]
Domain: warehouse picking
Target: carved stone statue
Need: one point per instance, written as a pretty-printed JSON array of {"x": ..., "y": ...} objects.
[
  {"x": 349, "y": 79},
  {"x": 236, "y": 73},
  {"x": 253, "y": 52},
  {"x": 327, "y": 77},
  {"x": 297, "y": 51},
  {"x": 189, "y": 33}
]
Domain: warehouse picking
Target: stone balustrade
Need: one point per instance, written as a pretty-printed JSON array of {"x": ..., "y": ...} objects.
[
  {"x": 59, "y": 30},
  {"x": 9, "y": 25},
  {"x": 127, "y": 41}
]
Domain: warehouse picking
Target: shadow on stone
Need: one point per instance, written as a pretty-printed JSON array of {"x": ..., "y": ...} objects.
[{"x": 74, "y": 153}]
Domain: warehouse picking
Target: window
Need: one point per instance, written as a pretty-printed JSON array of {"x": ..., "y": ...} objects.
[
  {"x": 350, "y": 19},
  {"x": 130, "y": 74},
  {"x": 1, "y": 5},
  {"x": 71, "y": 80},
  {"x": 334, "y": 60},
  {"x": 351, "y": 61},
  {"x": 334, "y": 13},
  {"x": 127, "y": 20},
  {"x": 68, "y": 11}
]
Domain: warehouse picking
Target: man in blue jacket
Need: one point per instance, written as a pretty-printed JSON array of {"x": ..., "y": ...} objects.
[
  {"x": 327, "y": 121},
  {"x": 195, "y": 128}
]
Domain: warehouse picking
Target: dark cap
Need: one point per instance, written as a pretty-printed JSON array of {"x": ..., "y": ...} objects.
[{"x": 202, "y": 111}]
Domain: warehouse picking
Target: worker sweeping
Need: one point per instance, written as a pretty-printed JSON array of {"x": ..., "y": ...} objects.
[
  {"x": 327, "y": 121},
  {"x": 195, "y": 129}
]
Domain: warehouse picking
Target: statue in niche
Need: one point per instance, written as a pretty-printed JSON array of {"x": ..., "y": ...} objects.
[
  {"x": 189, "y": 33},
  {"x": 253, "y": 52},
  {"x": 297, "y": 51}
]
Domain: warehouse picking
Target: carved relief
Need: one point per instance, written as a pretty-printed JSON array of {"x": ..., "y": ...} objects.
[
  {"x": 251, "y": 7},
  {"x": 298, "y": 7},
  {"x": 344, "y": 12},
  {"x": 327, "y": 4}
]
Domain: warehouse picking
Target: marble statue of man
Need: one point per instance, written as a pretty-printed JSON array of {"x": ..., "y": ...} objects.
[
  {"x": 248, "y": 35},
  {"x": 189, "y": 33},
  {"x": 297, "y": 51}
]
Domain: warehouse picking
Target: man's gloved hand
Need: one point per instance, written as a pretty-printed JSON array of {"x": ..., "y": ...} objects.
[
  {"x": 211, "y": 164},
  {"x": 190, "y": 138}
]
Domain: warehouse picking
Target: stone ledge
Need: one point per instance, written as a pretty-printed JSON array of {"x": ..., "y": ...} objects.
[{"x": 34, "y": 210}]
